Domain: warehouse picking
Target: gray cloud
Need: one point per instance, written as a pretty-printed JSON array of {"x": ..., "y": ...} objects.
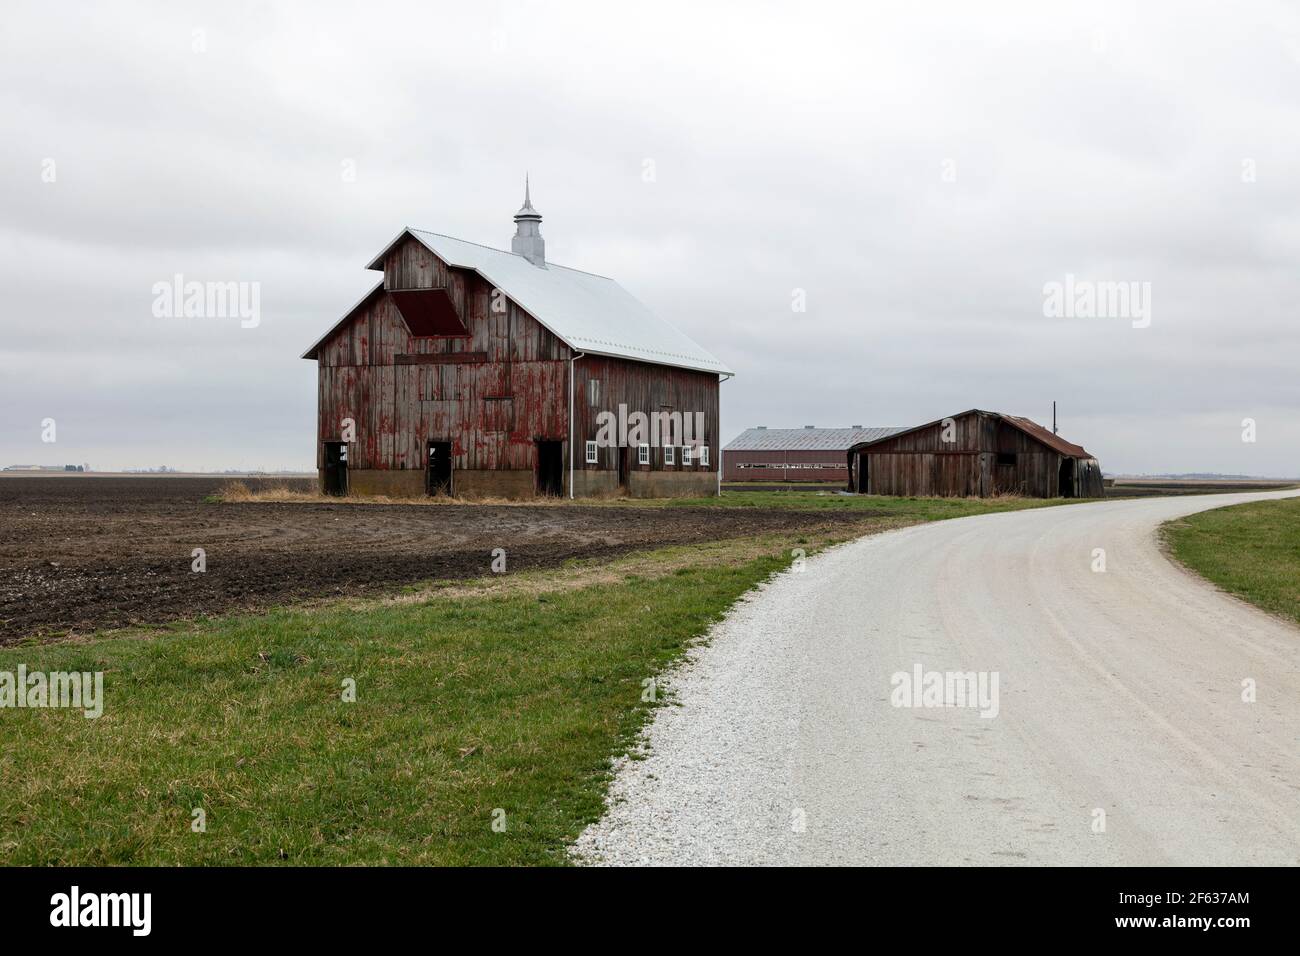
[{"x": 792, "y": 149}]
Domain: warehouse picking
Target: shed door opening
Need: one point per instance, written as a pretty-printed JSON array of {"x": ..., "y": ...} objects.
[
  {"x": 862, "y": 473},
  {"x": 550, "y": 468},
  {"x": 1065, "y": 482},
  {"x": 437, "y": 472}
]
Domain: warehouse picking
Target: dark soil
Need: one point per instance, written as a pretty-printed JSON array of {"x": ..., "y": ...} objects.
[{"x": 82, "y": 553}]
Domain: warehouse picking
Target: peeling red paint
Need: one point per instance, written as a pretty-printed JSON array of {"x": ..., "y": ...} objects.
[{"x": 492, "y": 406}]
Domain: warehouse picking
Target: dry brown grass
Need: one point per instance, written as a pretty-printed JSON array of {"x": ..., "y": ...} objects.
[
  {"x": 921, "y": 508},
  {"x": 239, "y": 492}
]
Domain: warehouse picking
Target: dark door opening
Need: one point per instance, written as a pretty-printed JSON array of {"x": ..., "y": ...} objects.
[
  {"x": 437, "y": 471},
  {"x": 623, "y": 457},
  {"x": 1065, "y": 480},
  {"x": 550, "y": 468},
  {"x": 336, "y": 468},
  {"x": 862, "y": 473}
]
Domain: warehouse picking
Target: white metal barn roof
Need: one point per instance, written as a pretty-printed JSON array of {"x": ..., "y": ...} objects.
[
  {"x": 807, "y": 439},
  {"x": 590, "y": 313}
]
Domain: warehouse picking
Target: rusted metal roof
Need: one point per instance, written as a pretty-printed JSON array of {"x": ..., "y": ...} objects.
[
  {"x": 1026, "y": 425},
  {"x": 1056, "y": 442},
  {"x": 807, "y": 439}
]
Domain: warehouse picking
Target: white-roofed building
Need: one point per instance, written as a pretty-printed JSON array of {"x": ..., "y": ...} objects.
[
  {"x": 795, "y": 454},
  {"x": 477, "y": 371}
]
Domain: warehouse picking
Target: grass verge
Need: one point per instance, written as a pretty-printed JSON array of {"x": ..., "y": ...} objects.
[
  {"x": 1251, "y": 550},
  {"x": 497, "y": 699},
  {"x": 503, "y": 705},
  {"x": 918, "y": 509}
]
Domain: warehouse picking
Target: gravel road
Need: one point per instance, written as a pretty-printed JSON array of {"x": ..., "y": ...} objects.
[{"x": 1120, "y": 736}]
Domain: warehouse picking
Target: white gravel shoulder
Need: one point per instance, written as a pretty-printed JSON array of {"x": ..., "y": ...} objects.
[{"x": 729, "y": 727}]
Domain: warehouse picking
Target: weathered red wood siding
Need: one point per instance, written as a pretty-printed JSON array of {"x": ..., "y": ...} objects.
[
  {"x": 492, "y": 392},
  {"x": 492, "y": 408},
  {"x": 645, "y": 388}
]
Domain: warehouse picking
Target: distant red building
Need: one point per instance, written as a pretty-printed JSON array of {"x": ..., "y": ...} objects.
[{"x": 795, "y": 454}]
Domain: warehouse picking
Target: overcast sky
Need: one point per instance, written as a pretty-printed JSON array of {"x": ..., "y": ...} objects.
[{"x": 921, "y": 172}]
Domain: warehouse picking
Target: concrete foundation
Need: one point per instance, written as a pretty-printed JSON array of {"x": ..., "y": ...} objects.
[
  {"x": 394, "y": 484},
  {"x": 595, "y": 484},
  {"x": 672, "y": 484},
  {"x": 494, "y": 484},
  {"x": 409, "y": 483}
]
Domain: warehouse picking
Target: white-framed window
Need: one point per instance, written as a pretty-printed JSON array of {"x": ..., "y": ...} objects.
[
  {"x": 593, "y": 391},
  {"x": 591, "y": 453},
  {"x": 668, "y": 454},
  {"x": 643, "y": 454},
  {"x": 686, "y": 454},
  {"x": 704, "y": 455}
]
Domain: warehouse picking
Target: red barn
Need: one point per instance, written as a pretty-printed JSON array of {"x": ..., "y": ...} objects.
[{"x": 474, "y": 371}]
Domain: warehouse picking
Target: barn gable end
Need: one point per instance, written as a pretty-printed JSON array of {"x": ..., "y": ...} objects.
[{"x": 437, "y": 360}]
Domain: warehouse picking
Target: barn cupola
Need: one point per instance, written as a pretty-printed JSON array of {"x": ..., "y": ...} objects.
[{"x": 528, "y": 241}]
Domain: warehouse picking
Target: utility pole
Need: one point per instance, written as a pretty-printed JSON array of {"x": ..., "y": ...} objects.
[{"x": 1053, "y": 418}]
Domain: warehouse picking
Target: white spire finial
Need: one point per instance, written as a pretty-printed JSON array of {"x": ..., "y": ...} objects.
[{"x": 528, "y": 241}]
